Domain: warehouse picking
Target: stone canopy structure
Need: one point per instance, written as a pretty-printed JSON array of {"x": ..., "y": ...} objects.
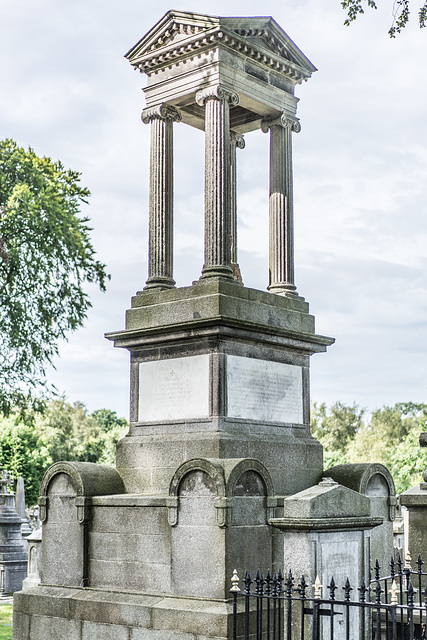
[
  {"x": 226, "y": 76},
  {"x": 219, "y": 433}
]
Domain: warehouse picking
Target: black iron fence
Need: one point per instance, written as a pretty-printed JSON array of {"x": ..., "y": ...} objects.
[{"x": 274, "y": 607}]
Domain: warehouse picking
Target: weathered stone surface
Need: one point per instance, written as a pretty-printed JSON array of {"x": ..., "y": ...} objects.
[
  {"x": 146, "y": 550},
  {"x": 374, "y": 481},
  {"x": 99, "y": 613},
  {"x": 160, "y": 251},
  {"x": 13, "y": 548},
  {"x": 415, "y": 500}
]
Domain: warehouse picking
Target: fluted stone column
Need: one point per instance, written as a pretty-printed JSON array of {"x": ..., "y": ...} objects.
[
  {"x": 216, "y": 101},
  {"x": 236, "y": 141},
  {"x": 281, "y": 204},
  {"x": 160, "y": 241}
]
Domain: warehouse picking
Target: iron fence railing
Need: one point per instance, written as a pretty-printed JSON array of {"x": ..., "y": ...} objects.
[{"x": 272, "y": 607}]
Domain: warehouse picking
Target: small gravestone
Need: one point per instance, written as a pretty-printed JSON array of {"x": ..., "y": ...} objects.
[
  {"x": 26, "y": 529},
  {"x": 13, "y": 555}
]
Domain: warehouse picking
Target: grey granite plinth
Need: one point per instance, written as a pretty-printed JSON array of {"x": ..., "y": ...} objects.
[
  {"x": 219, "y": 371},
  {"x": 56, "y": 613}
]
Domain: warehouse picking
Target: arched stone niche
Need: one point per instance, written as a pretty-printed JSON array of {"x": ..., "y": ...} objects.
[
  {"x": 65, "y": 503},
  {"x": 197, "y": 536},
  {"x": 250, "y": 538},
  {"x": 375, "y": 481},
  {"x": 219, "y": 510}
]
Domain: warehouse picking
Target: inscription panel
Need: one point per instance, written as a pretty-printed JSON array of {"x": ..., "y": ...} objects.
[
  {"x": 264, "y": 390},
  {"x": 174, "y": 389}
]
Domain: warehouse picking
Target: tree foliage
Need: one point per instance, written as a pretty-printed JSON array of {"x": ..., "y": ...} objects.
[
  {"x": 400, "y": 13},
  {"x": 64, "y": 431},
  {"x": 390, "y": 436},
  {"x": 46, "y": 256}
]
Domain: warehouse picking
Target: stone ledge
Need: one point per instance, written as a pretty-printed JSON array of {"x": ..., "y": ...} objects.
[
  {"x": 414, "y": 497},
  {"x": 310, "y": 524},
  {"x": 209, "y": 617},
  {"x": 130, "y": 500}
]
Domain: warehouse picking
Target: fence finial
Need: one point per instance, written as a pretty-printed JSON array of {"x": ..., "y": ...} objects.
[
  {"x": 317, "y": 588},
  {"x": 393, "y": 591},
  {"x": 235, "y": 581},
  {"x": 408, "y": 560}
]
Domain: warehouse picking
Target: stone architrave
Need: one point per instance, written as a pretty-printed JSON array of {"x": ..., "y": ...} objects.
[
  {"x": 216, "y": 101},
  {"x": 237, "y": 141},
  {"x": 160, "y": 252},
  {"x": 282, "y": 279}
]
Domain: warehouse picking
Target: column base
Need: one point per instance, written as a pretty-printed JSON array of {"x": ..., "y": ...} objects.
[
  {"x": 284, "y": 289},
  {"x": 159, "y": 283},
  {"x": 217, "y": 271}
]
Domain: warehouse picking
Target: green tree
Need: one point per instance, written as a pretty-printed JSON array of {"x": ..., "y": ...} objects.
[
  {"x": 400, "y": 13},
  {"x": 406, "y": 460},
  {"x": 64, "y": 431},
  {"x": 387, "y": 428},
  {"x": 335, "y": 428},
  {"x": 46, "y": 257},
  {"x": 390, "y": 437}
]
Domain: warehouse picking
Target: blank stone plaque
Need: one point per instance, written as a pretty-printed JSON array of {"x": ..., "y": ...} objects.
[
  {"x": 264, "y": 390},
  {"x": 174, "y": 389}
]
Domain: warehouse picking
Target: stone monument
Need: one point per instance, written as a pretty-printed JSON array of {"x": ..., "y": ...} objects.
[
  {"x": 219, "y": 438},
  {"x": 415, "y": 501},
  {"x": 13, "y": 554}
]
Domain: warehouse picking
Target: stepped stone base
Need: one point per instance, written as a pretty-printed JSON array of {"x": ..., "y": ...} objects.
[{"x": 55, "y": 613}]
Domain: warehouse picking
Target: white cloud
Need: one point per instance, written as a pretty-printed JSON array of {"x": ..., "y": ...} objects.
[{"x": 360, "y": 163}]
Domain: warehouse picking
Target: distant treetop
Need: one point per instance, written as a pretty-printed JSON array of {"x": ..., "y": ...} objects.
[{"x": 400, "y": 13}]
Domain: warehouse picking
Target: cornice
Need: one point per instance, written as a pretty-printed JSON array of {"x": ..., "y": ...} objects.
[{"x": 165, "y": 51}]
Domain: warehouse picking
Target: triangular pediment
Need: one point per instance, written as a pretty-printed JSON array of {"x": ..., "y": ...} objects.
[
  {"x": 173, "y": 29},
  {"x": 180, "y": 34},
  {"x": 267, "y": 35}
]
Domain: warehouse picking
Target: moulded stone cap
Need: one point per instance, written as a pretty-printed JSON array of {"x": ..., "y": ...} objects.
[
  {"x": 414, "y": 497},
  {"x": 35, "y": 536},
  {"x": 88, "y": 478},
  {"x": 357, "y": 476},
  {"x": 328, "y": 499}
]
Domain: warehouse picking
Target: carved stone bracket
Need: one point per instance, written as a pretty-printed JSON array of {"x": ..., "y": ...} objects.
[
  {"x": 272, "y": 503},
  {"x": 84, "y": 505},
  {"x": 172, "y": 503},
  {"x": 283, "y": 120},
  {"x": 43, "y": 504},
  {"x": 218, "y": 92},
  {"x": 161, "y": 112},
  {"x": 392, "y": 501},
  {"x": 224, "y": 509}
]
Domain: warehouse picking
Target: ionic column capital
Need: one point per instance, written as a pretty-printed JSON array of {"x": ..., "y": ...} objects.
[
  {"x": 161, "y": 112},
  {"x": 217, "y": 92},
  {"x": 283, "y": 120},
  {"x": 237, "y": 139}
]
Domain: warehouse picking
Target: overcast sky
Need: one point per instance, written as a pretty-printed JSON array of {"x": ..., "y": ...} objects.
[{"x": 360, "y": 166}]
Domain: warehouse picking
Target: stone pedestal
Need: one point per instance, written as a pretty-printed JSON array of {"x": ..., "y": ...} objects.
[
  {"x": 33, "y": 578},
  {"x": 327, "y": 534},
  {"x": 415, "y": 501},
  {"x": 374, "y": 481}
]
